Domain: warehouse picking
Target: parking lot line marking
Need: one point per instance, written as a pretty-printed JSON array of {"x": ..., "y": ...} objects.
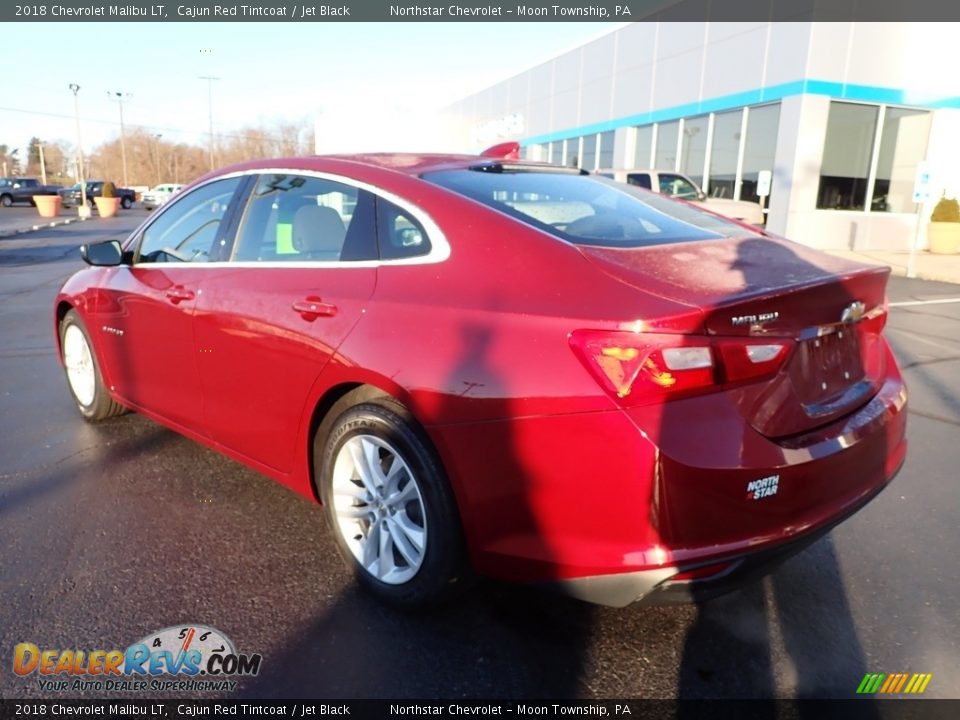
[{"x": 910, "y": 303}]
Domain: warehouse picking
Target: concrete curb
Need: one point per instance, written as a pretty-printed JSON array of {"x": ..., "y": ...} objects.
[{"x": 40, "y": 226}]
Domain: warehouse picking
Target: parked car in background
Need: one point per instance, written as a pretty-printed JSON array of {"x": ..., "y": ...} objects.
[
  {"x": 71, "y": 196},
  {"x": 678, "y": 185},
  {"x": 21, "y": 190},
  {"x": 557, "y": 378},
  {"x": 159, "y": 195}
]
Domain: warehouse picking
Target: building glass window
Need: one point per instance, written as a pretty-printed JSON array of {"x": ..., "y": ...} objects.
[
  {"x": 903, "y": 145},
  {"x": 694, "y": 150},
  {"x": 760, "y": 149},
  {"x": 846, "y": 156},
  {"x": 641, "y": 150},
  {"x": 606, "y": 149},
  {"x": 572, "y": 155},
  {"x": 589, "y": 160},
  {"x": 666, "y": 156},
  {"x": 723, "y": 154}
]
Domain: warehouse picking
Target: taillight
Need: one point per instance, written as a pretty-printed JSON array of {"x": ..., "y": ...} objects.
[
  {"x": 646, "y": 367},
  {"x": 745, "y": 360},
  {"x": 875, "y": 320}
]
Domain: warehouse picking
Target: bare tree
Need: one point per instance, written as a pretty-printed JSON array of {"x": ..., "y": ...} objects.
[
  {"x": 9, "y": 160},
  {"x": 150, "y": 156}
]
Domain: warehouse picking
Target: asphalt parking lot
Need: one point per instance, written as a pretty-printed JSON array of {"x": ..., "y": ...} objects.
[{"x": 109, "y": 532}]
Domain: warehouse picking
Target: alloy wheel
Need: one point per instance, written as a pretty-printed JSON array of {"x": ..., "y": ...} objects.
[
  {"x": 379, "y": 509},
  {"x": 79, "y": 363}
]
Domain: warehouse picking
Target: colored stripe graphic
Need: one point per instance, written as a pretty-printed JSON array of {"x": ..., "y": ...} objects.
[
  {"x": 903, "y": 679},
  {"x": 894, "y": 683}
]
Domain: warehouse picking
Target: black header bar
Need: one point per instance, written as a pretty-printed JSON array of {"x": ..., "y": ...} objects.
[
  {"x": 161, "y": 709},
  {"x": 491, "y": 11}
]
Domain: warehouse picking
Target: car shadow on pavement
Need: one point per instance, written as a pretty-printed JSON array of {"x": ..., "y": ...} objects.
[
  {"x": 101, "y": 449},
  {"x": 791, "y": 635},
  {"x": 498, "y": 642}
]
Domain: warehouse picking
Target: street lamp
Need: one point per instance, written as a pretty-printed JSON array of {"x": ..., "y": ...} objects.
[
  {"x": 210, "y": 79},
  {"x": 157, "y": 149},
  {"x": 123, "y": 140},
  {"x": 83, "y": 210},
  {"x": 43, "y": 165}
]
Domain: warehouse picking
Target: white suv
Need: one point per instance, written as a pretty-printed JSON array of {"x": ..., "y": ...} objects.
[
  {"x": 159, "y": 195},
  {"x": 680, "y": 186}
]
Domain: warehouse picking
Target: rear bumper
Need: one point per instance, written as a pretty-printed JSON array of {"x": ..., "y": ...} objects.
[
  {"x": 619, "y": 506},
  {"x": 656, "y": 586}
]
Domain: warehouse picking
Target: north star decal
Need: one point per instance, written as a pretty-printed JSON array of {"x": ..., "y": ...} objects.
[{"x": 764, "y": 487}]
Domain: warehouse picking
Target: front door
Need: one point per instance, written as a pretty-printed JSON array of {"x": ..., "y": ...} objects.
[{"x": 149, "y": 307}]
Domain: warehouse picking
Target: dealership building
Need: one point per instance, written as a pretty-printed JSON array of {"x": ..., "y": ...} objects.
[{"x": 844, "y": 115}]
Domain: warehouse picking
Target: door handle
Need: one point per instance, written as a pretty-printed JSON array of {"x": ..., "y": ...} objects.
[
  {"x": 178, "y": 293},
  {"x": 313, "y": 307}
]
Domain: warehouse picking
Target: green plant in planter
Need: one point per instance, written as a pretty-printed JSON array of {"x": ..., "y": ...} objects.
[
  {"x": 946, "y": 210},
  {"x": 109, "y": 190}
]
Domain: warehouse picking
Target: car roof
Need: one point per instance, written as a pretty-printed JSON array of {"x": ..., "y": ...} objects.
[
  {"x": 406, "y": 163},
  {"x": 412, "y": 164}
]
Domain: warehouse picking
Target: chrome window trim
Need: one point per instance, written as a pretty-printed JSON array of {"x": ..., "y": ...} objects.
[{"x": 439, "y": 246}]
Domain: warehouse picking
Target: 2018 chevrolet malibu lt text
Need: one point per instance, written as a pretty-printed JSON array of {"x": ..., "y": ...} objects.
[{"x": 478, "y": 363}]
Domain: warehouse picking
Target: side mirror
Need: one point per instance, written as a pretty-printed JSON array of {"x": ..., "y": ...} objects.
[
  {"x": 102, "y": 254},
  {"x": 701, "y": 196}
]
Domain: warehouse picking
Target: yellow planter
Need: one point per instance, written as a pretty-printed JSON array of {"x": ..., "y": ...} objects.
[
  {"x": 943, "y": 238},
  {"x": 47, "y": 205},
  {"x": 107, "y": 207}
]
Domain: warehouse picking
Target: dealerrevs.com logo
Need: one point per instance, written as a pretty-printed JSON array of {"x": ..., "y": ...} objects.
[{"x": 180, "y": 658}]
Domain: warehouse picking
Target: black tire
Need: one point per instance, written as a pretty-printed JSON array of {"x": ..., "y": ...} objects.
[
  {"x": 126, "y": 203},
  {"x": 6, "y": 200},
  {"x": 102, "y": 406},
  {"x": 443, "y": 566}
]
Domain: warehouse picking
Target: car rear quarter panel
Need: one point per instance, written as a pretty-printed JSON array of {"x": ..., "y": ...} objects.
[{"x": 551, "y": 477}]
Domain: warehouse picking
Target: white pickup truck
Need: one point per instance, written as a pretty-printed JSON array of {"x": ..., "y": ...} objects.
[{"x": 680, "y": 186}]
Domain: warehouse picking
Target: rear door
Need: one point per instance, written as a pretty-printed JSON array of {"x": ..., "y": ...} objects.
[{"x": 301, "y": 272}]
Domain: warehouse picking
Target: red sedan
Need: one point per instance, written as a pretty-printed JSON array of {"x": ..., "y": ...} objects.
[{"x": 480, "y": 363}]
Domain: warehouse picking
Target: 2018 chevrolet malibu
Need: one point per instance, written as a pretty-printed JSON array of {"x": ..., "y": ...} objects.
[{"x": 476, "y": 362}]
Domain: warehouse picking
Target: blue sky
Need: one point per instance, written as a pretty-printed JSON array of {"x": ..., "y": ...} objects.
[{"x": 268, "y": 71}]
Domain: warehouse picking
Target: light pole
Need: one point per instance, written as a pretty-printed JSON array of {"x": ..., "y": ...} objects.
[
  {"x": 83, "y": 210},
  {"x": 156, "y": 146},
  {"x": 43, "y": 165},
  {"x": 123, "y": 138},
  {"x": 210, "y": 79}
]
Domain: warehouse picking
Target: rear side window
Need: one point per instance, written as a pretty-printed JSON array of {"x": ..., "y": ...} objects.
[
  {"x": 401, "y": 235},
  {"x": 294, "y": 218},
  {"x": 585, "y": 209}
]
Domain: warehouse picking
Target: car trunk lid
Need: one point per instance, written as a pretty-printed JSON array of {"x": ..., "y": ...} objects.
[{"x": 832, "y": 310}]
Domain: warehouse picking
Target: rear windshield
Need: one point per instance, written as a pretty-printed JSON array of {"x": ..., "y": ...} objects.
[{"x": 586, "y": 209}]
